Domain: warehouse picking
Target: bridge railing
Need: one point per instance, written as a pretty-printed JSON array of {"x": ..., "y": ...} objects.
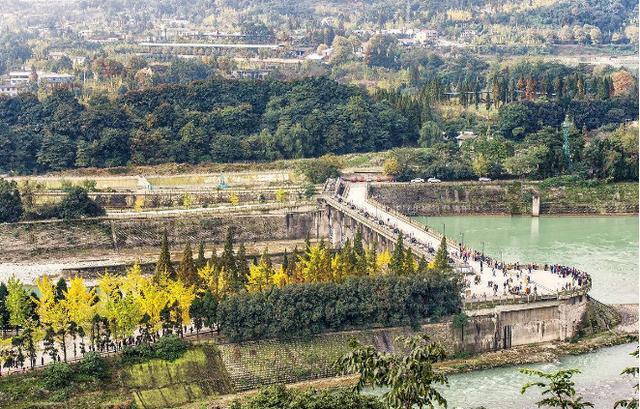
[{"x": 490, "y": 302}]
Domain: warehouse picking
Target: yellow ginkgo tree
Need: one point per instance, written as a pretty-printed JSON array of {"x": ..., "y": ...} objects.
[
  {"x": 81, "y": 307},
  {"x": 54, "y": 314}
]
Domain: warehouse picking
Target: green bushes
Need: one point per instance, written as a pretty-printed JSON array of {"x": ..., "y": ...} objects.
[
  {"x": 168, "y": 348},
  {"x": 277, "y": 397},
  {"x": 57, "y": 375},
  {"x": 94, "y": 367},
  {"x": 301, "y": 310}
]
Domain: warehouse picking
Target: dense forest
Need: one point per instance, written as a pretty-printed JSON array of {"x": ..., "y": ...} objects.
[{"x": 247, "y": 120}]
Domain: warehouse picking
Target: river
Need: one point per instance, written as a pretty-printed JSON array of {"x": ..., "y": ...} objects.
[
  {"x": 604, "y": 246},
  {"x": 599, "y": 382}
]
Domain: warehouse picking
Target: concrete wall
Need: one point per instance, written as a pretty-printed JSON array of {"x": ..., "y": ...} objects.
[
  {"x": 176, "y": 198},
  {"x": 512, "y": 197},
  {"x": 299, "y": 360},
  {"x": 21, "y": 240}
]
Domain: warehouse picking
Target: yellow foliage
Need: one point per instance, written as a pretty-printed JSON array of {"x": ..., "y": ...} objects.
[
  {"x": 152, "y": 302},
  {"x": 315, "y": 267},
  {"x": 183, "y": 296},
  {"x": 234, "y": 199},
  {"x": 80, "y": 303},
  {"x": 280, "y": 278},
  {"x": 138, "y": 205},
  {"x": 186, "y": 200},
  {"x": 382, "y": 261},
  {"x": 259, "y": 276},
  {"x": 459, "y": 15},
  {"x": 281, "y": 195}
]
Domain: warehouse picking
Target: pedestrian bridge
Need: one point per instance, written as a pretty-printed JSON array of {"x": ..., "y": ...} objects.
[{"x": 347, "y": 208}]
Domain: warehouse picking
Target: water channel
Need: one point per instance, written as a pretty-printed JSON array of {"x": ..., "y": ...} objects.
[{"x": 606, "y": 247}]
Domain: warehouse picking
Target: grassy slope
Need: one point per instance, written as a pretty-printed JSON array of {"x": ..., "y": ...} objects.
[{"x": 153, "y": 384}]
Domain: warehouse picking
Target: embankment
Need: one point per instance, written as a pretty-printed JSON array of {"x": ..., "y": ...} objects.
[
  {"x": 27, "y": 239},
  {"x": 505, "y": 197}
]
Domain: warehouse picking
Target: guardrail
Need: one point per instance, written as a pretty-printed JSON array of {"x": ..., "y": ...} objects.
[{"x": 491, "y": 302}]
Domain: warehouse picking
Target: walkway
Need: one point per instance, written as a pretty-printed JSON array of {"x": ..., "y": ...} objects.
[{"x": 481, "y": 280}]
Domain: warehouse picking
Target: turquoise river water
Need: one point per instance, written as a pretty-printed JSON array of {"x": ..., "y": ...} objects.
[
  {"x": 599, "y": 382},
  {"x": 605, "y": 247}
]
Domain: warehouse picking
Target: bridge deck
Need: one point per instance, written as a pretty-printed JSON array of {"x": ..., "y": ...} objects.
[{"x": 480, "y": 281}]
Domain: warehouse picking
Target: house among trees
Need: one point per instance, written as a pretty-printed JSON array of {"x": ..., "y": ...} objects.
[{"x": 465, "y": 136}]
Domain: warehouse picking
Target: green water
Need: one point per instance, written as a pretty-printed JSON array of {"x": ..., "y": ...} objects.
[
  {"x": 599, "y": 382},
  {"x": 604, "y": 246}
]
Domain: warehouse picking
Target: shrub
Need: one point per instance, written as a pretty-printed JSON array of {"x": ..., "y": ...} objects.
[
  {"x": 57, "y": 375},
  {"x": 277, "y": 396},
  {"x": 138, "y": 353},
  {"x": 10, "y": 204},
  {"x": 169, "y": 348},
  {"x": 94, "y": 366}
]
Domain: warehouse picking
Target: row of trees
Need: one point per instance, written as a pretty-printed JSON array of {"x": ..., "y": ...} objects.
[
  {"x": 244, "y": 300},
  {"x": 15, "y": 206}
]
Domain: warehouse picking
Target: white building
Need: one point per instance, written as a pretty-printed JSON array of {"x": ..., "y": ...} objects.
[
  {"x": 6, "y": 89},
  {"x": 426, "y": 36},
  {"x": 465, "y": 136}
]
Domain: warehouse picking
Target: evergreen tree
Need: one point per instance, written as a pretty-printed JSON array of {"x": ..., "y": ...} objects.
[
  {"x": 4, "y": 312},
  {"x": 285, "y": 260},
  {"x": 422, "y": 265},
  {"x": 201, "y": 260},
  {"x": 293, "y": 261},
  {"x": 61, "y": 289},
  {"x": 229, "y": 263},
  {"x": 409, "y": 264},
  {"x": 241, "y": 263},
  {"x": 228, "y": 259},
  {"x": 441, "y": 261},
  {"x": 397, "y": 258},
  {"x": 360, "y": 256},
  {"x": 164, "y": 268},
  {"x": 213, "y": 260},
  {"x": 187, "y": 269}
]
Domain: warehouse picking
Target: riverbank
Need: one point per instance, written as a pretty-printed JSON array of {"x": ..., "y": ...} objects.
[
  {"x": 507, "y": 198},
  {"x": 626, "y": 331}
]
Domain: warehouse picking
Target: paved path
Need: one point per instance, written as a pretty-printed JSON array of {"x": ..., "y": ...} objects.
[{"x": 544, "y": 282}]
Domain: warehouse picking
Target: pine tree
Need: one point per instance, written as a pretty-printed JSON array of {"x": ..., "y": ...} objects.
[
  {"x": 61, "y": 289},
  {"x": 4, "y": 312},
  {"x": 285, "y": 260},
  {"x": 201, "y": 260},
  {"x": 164, "y": 268},
  {"x": 441, "y": 261},
  {"x": 187, "y": 268},
  {"x": 422, "y": 265},
  {"x": 228, "y": 261},
  {"x": 409, "y": 264},
  {"x": 397, "y": 258},
  {"x": 241, "y": 264},
  {"x": 213, "y": 260}
]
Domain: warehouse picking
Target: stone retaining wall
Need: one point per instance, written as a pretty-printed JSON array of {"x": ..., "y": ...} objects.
[
  {"x": 31, "y": 238},
  {"x": 504, "y": 198}
]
